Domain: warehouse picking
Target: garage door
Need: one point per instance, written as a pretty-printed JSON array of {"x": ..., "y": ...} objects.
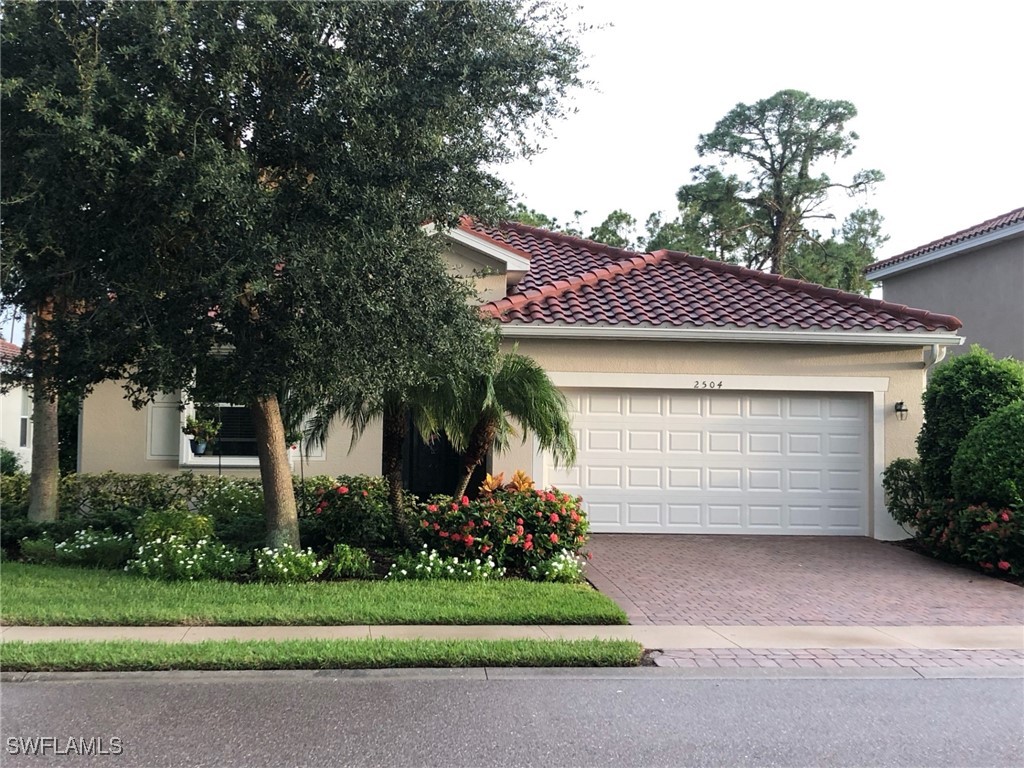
[{"x": 720, "y": 462}]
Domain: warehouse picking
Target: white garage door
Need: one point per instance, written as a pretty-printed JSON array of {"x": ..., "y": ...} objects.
[{"x": 720, "y": 462}]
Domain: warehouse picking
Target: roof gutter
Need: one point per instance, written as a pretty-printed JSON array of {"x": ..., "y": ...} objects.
[
  {"x": 931, "y": 339},
  {"x": 946, "y": 252}
]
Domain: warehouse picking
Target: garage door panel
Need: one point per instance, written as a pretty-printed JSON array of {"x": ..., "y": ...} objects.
[
  {"x": 640, "y": 441},
  {"x": 642, "y": 478},
  {"x": 764, "y": 443},
  {"x": 725, "y": 442},
  {"x": 719, "y": 462},
  {"x": 685, "y": 442},
  {"x": 645, "y": 405},
  {"x": 603, "y": 440}
]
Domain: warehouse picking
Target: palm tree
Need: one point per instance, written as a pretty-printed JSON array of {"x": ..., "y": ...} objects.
[{"x": 484, "y": 413}]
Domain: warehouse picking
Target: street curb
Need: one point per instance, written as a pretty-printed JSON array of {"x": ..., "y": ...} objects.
[{"x": 512, "y": 674}]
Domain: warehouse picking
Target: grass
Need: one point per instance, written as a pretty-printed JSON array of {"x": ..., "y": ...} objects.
[
  {"x": 43, "y": 595},
  {"x": 134, "y": 655}
]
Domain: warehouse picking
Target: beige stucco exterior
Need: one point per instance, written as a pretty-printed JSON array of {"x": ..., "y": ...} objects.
[
  {"x": 113, "y": 436},
  {"x": 116, "y": 437},
  {"x": 984, "y": 288}
]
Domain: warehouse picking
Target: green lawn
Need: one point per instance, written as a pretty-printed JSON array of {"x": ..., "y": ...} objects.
[
  {"x": 42, "y": 595},
  {"x": 124, "y": 656}
]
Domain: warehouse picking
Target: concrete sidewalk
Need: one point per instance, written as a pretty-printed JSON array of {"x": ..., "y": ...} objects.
[{"x": 1009, "y": 638}]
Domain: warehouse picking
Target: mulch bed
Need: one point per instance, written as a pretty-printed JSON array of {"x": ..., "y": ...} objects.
[{"x": 915, "y": 546}]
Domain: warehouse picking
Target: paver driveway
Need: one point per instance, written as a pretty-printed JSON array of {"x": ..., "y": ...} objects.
[{"x": 791, "y": 580}]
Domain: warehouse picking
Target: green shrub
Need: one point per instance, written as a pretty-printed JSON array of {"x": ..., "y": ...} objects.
[
  {"x": 427, "y": 564},
  {"x": 904, "y": 493},
  {"x": 287, "y": 565},
  {"x": 989, "y": 465},
  {"x": 989, "y": 537},
  {"x": 235, "y": 505},
  {"x": 175, "y": 521},
  {"x": 348, "y": 562},
  {"x": 10, "y": 464},
  {"x": 179, "y": 559},
  {"x": 960, "y": 394},
  {"x": 351, "y": 510},
  {"x": 38, "y": 551},
  {"x": 517, "y": 525},
  {"x": 95, "y": 549},
  {"x": 564, "y": 568}
]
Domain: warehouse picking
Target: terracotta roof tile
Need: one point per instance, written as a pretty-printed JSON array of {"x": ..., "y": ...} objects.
[
  {"x": 573, "y": 282},
  {"x": 1015, "y": 216},
  {"x": 8, "y": 351}
]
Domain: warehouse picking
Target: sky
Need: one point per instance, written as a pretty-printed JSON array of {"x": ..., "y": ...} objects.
[{"x": 938, "y": 89}]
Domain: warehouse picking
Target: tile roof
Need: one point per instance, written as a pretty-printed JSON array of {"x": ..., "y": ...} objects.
[
  {"x": 1015, "y": 216},
  {"x": 578, "y": 282},
  {"x": 8, "y": 351}
]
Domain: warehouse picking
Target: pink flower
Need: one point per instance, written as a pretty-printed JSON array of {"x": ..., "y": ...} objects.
[
  {"x": 455, "y": 507},
  {"x": 986, "y": 566},
  {"x": 366, "y": 493},
  {"x": 465, "y": 501},
  {"x": 486, "y": 523},
  {"x": 424, "y": 523},
  {"x": 432, "y": 508},
  {"x": 342, "y": 489},
  {"x": 519, "y": 521},
  {"x": 527, "y": 544},
  {"x": 554, "y": 538},
  {"x": 553, "y": 518},
  {"x": 519, "y": 530},
  {"x": 437, "y": 527},
  {"x": 1002, "y": 565},
  {"x": 485, "y": 549},
  {"x": 456, "y": 537},
  {"x": 1005, "y": 516},
  {"x": 513, "y": 539},
  {"x": 469, "y": 540},
  {"x": 471, "y": 524},
  {"x": 443, "y": 534}
]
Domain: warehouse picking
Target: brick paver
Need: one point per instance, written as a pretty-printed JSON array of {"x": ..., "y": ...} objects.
[
  {"x": 792, "y": 580},
  {"x": 834, "y": 658}
]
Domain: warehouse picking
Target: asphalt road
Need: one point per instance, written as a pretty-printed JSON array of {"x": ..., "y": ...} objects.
[{"x": 543, "y": 720}]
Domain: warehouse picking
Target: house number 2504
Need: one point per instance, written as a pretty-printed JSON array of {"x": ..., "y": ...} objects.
[{"x": 702, "y": 384}]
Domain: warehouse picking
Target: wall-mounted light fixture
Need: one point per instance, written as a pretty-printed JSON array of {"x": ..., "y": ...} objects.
[{"x": 901, "y": 411}]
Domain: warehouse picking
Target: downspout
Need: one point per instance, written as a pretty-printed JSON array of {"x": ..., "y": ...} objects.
[{"x": 934, "y": 355}]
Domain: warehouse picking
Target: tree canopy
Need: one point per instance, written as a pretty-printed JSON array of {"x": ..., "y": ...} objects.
[
  {"x": 255, "y": 180},
  {"x": 756, "y": 202}
]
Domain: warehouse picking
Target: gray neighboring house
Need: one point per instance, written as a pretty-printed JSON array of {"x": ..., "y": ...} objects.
[{"x": 976, "y": 274}]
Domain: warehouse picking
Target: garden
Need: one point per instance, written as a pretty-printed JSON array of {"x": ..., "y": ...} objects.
[
  {"x": 962, "y": 499},
  {"x": 188, "y": 549}
]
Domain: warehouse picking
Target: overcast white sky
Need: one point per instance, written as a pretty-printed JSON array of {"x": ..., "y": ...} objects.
[{"x": 938, "y": 87}]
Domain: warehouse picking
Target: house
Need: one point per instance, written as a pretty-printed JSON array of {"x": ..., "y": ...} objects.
[
  {"x": 16, "y": 413},
  {"x": 706, "y": 397},
  {"x": 976, "y": 274}
]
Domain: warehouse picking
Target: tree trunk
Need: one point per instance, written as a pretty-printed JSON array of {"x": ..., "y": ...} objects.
[
  {"x": 275, "y": 473},
  {"x": 45, "y": 476},
  {"x": 395, "y": 424},
  {"x": 480, "y": 442}
]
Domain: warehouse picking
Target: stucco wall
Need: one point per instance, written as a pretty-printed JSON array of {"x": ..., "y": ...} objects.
[
  {"x": 488, "y": 275},
  {"x": 116, "y": 437},
  {"x": 12, "y": 405},
  {"x": 984, "y": 288}
]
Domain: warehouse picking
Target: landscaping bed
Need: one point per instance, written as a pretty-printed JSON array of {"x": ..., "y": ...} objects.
[
  {"x": 42, "y": 595},
  {"x": 126, "y": 656}
]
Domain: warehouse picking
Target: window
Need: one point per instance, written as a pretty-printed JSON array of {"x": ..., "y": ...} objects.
[
  {"x": 237, "y": 436},
  {"x": 25, "y": 424}
]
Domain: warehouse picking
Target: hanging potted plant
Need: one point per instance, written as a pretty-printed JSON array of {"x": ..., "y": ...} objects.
[{"x": 201, "y": 432}]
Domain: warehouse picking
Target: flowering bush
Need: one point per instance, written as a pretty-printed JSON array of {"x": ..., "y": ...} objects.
[
  {"x": 348, "y": 562},
  {"x": 516, "y": 524},
  {"x": 178, "y": 558},
  {"x": 287, "y": 564},
  {"x": 565, "y": 567},
  {"x": 428, "y": 564},
  {"x": 38, "y": 550},
  {"x": 97, "y": 549},
  {"x": 177, "y": 521},
  {"x": 352, "y": 510},
  {"x": 989, "y": 537}
]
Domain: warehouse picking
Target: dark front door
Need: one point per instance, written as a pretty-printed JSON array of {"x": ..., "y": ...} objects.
[{"x": 429, "y": 468}]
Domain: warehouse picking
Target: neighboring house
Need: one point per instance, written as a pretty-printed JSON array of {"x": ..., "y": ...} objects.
[
  {"x": 16, "y": 413},
  {"x": 976, "y": 274},
  {"x": 707, "y": 398}
]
